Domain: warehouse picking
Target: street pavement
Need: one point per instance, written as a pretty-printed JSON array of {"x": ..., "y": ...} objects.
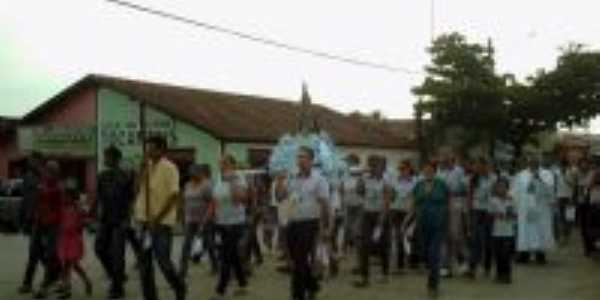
[{"x": 568, "y": 276}]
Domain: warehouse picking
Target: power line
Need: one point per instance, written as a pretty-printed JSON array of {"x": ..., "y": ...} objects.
[{"x": 262, "y": 40}]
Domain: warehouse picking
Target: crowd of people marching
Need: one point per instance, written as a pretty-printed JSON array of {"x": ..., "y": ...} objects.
[{"x": 453, "y": 218}]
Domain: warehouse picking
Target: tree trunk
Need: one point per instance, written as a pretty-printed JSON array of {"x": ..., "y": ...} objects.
[
  {"x": 517, "y": 150},
  {"x": 492, "y": 147}
]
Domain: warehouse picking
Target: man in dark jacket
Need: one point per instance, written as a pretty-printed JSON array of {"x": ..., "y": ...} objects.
[{"x": 112, "y": 208}]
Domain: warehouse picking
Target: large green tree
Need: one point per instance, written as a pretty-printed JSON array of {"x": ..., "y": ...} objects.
[{"x": 462, "y": 90}]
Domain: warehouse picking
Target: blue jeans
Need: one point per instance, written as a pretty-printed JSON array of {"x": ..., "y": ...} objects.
[
  {"x": 481, "y": 240},
  {"x": 160, "y": 250},
  {"x": 432, "y": 251}
]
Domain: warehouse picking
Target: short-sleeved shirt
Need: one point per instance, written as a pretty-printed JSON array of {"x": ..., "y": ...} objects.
[
  {"x": 305, "y": 194},
  {"x": 164, "y": 183},
  {"x": 227, "y": 211},
  {"x": 351, "y": 197},
  {"x": 503, "y": 227},
  {"x": 482, "y": 193},
  {"x": 454, "y": 179},
  {"x": 403, "y": 188},
  {"x": 375, "y": 193},
  {"x": 196, "y": 198},
  {"x": 432, "y": 205}
]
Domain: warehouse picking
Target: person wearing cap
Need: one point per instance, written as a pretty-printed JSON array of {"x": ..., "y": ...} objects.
[
  {"x": 112, "y": 207},
  {"x": 196, "y": 197}
]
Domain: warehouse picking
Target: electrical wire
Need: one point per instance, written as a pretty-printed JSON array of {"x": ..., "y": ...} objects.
[{"x": 262, "y": 40}]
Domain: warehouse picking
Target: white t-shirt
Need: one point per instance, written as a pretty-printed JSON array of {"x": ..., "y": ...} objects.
[
  {"x": 351, "y": 197},
  {"x": 503, "y": 227},
  {"x": 304, "y": 195}
]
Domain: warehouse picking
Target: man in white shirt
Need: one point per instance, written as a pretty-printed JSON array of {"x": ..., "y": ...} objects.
[{"x": 308, "y": 193}]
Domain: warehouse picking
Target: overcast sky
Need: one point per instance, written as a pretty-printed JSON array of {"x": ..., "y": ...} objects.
[{"x": 46, "y": 45}]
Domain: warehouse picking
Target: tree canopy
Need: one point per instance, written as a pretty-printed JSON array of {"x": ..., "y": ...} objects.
[{"x": 462, "y": 89}]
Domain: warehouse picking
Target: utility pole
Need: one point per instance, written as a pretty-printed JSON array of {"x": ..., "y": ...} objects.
[
  {"x": 432, "y": 20},
  {"x": 423, "y": 157}
]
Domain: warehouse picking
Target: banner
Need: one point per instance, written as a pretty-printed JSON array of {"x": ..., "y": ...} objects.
[{"x": 58, "y": 140}]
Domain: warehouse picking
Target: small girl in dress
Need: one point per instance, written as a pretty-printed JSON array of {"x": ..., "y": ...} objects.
[{"x": 70, "y": 244}]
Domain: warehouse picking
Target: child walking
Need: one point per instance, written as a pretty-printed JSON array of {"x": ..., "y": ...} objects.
[
  {"x": 70, "y": 244},
  {"x": 504, "y": 215}
]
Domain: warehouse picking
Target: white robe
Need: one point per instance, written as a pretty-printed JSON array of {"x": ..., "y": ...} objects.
[{"x": 534, "y": 208}]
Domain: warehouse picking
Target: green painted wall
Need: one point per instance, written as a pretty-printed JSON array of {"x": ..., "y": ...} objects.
[
  {"x": 239, "y": 152},
  {"x": 208, "y": 149},
  {"x": 118, "y": 123}
]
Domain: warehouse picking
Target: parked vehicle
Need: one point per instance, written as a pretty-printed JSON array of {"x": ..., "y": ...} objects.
[{"x": 11, "y": 198}]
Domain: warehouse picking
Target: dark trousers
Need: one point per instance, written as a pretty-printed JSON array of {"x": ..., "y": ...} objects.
[
  {"x": 45, "y": 248},
  {"x": 564, "y": 225},
  {"x": 481, "y": 240},
  {"x": 160, "y": 250},
  {"x": 110, "y": 250},
  {"x": 251, "y": 246},
  {"x": 36, "y": 252},
  {"x": 132, "y": 238},
  {"x": 503, "y": 252},
  {"x": 353, "y": 219},
  {"x": 583, "y": 211},
  {"x": 192, "y": 231},
  {"x": 301, "y": 241},
  {"x": 397, "y": 220},
  {"x": 416, "y": 248},
  {"x": 432, "y": 239},
  {"x": 368, "y": 246},
  {"x": 230, "y": 259}
]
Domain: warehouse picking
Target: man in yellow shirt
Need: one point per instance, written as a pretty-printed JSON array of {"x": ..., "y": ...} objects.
[{"x": 156, "y": 209}]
